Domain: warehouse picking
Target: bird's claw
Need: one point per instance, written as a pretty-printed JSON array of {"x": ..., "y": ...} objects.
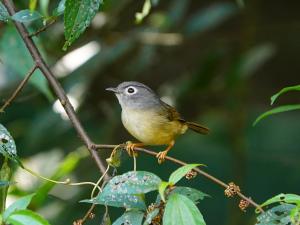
[
  {"x": 161, "y": 156},
  {"x": 129, "y": 147}
]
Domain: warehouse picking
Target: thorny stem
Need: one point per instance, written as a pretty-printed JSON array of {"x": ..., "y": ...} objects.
[
  {"x": 58, "y": 90},
  {"x": 18, "y": 89},
  {"x": 179, "y": 162}
]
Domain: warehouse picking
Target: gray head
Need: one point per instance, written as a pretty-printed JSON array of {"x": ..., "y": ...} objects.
[{"x": 135, "y": 95}]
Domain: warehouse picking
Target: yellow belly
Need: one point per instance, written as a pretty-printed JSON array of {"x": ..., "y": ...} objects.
[{"x": 151, "y": 128}]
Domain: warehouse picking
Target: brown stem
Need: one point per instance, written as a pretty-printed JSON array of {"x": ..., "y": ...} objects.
[
  {"x": 88, "y": 213},
  {"x": 58, "y": 90},
  {"x": 18, "y": 89},
  {"x": 42, "y": 29},
  {"x": 179, "y": 162}
]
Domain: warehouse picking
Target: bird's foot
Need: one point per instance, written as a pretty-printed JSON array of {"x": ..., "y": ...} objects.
[
  {"x": 129, "y": 147},
  {"x": 161, "y": 156}
]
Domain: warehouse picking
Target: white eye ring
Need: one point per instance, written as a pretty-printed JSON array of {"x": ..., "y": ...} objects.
[{"x": 131, "y": 90}]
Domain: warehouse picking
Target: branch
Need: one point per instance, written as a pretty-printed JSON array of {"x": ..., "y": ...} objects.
[
  {"x": 53, "y": 82},
  {"x": 19, "y": 88},
  {"x": 179, "y": 162},
  {"x": 42, "y": 29}
]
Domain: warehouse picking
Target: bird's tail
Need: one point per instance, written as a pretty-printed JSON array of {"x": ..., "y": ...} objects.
[{"x": 197, "y": 128}]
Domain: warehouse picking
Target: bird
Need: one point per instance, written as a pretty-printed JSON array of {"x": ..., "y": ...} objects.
[{"x": 149, "y": 119}]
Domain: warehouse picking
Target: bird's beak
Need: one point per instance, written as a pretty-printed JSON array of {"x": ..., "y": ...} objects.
[{"x": 112, "y": 89}]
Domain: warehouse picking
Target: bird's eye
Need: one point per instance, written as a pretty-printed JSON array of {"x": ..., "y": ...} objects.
[{"x": 131, "y": 90}]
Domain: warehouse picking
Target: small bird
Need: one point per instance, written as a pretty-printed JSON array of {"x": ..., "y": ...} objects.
[{"x": 149, "y": 119}]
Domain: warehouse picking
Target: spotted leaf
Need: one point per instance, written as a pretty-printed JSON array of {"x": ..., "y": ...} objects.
[
  {"x": 4, "y": 16},
  {"x": 127, "y": 190},
  {"x": 279, "y": 214},
  {"x": 133, "y": 182},
  {"x": 7, "y": 144},
  {"x": 118, "y": 200}
]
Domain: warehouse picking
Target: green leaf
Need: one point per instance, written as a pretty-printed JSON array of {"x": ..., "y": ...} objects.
[
  {"x": 181, "y": 172},
  {"x": 7, "y": 144},
  {"x": 284, "y": 90},
  {"x": 78, "y": 16},
  {"x": 127, "y": 190},
  {"x": 287, "y": 198},
  {"x": 20, "y": 204},
  {"x": 139, "y": 16},
  {"x": 295, "y": 215},
  {"x": 131, "y": 217},
  {"x": 4, "y": 15},
  {"x": 180, "y": 210},
  {"x": 150, "y": 216},
  {"x": 60, "y": 8},
  {"x": 161, "y": 189},
  {"x": 193, "y": 194},
  {"x": 26, "y": 217},
  {"x": 12, "y": 47},
  {"x": 118, "y": 200},
  {"x": 133, "y": 182},
  {"x": 26, "y": 16},
  {"x": 210, "y": 17},
  {"x": 115, "y": 159},
  {"x": 279, "y": 109},
  {"x": 278, "y": 215}
]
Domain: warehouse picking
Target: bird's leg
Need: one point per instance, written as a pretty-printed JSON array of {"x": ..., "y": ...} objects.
[
  {"x": 161, "y": 155},
  {"x": 130, "y": 147}
]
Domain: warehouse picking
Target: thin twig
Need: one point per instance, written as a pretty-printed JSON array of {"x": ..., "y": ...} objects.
[
  {"x": 18, "y": 89},
  {"x": 98, "y": 182},
  {"x": 179, "y": 162},
  {"x": 36, "y": 33},
  {"x": 92, "y": 196},
  {"x": 88, "y": 213},
  {"x": 65, "y": 182},
  {"x": 56, "y": 86}
]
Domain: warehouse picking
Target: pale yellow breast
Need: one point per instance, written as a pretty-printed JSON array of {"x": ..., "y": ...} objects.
[{"x": 150, "y": 127}]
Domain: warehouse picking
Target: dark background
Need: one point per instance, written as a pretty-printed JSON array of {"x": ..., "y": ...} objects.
[{"x": 217, "y": 62}]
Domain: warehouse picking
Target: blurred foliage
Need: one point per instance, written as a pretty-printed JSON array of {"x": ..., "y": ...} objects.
[
  {"x": 217, "y": 61},
  {"x": 12, "y": 47}
]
